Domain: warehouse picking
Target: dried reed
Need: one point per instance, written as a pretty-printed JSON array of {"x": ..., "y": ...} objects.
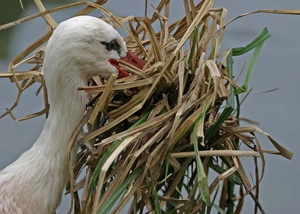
[{"x": 153, "y": 137}]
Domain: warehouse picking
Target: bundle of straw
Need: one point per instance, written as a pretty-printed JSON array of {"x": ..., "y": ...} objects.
[{"x": 153, "y": 137}]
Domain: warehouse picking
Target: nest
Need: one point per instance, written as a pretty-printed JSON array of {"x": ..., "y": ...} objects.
[{"x": 153, "y": 138}]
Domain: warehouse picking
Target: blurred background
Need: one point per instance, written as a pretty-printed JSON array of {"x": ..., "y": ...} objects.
[{"x": 278, "y": 67}]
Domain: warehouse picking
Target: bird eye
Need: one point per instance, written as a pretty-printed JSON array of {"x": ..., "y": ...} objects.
[{"x": 112, "y": 45}]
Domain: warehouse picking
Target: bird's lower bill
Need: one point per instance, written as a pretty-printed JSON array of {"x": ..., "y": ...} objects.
[
  {"x": 122, "y": 72},
  {"x": 129, "y": 58}
]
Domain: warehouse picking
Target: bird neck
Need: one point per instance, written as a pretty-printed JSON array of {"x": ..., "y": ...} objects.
[
  {"x": 66, "y": 111},
  {"x": 39, "y": 175}
]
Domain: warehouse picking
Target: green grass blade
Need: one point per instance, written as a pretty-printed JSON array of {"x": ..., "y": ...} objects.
[
  {"x": 256, "y": 42},
  {"x": 95, "y": 176},
  {"x": 212, "y": 129},
  {"x": 155, "y": 196},
  {"x": 229, "y": 103},
  {"x": 229, "y": 62},
  {"x": 234, "y": 178},
  {"x": 108, "y": 204},
  {"x": 106, "y": 155},
  {"x": 195, "y": 37},
  {"x": 142, "y": 119},
  {"x": 202, "y": 178},
  {"x": 220, "y": 210},
  {"x": 250, "y": 70}
]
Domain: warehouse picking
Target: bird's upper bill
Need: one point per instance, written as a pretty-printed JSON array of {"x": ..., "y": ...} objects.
[{"x": 129, "y": 58}]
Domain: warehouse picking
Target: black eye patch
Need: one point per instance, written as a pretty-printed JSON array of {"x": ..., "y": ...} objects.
[{"x": 112, "y": 45}]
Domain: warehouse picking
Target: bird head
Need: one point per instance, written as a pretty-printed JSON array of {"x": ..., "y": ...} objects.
[{"x": 81, "y": 47}]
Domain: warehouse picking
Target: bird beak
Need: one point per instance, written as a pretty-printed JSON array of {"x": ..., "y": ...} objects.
[
  {"x": 134, "y": 60},
  {"x": 122, "y": 72},
  {"x": 130, "y": 58}
]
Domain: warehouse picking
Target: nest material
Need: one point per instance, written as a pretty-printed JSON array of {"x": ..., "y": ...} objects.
[{"x": 153, "y": 137}]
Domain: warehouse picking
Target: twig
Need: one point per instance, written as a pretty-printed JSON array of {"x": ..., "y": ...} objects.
[{"x": 216, "y": 153}]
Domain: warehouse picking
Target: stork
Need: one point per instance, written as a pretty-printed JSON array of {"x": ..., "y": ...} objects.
[{"x": 79, "y": 48}]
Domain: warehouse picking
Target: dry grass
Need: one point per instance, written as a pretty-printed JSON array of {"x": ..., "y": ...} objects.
[{"x": 155, "y": 136}]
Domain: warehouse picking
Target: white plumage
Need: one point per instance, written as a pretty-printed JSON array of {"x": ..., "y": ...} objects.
[{"x": 78, "y": 49}]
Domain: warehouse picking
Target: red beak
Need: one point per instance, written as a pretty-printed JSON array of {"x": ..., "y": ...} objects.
[
  {"x": 122, "y": 72},
  {"x": 134, "y": 60},
  {"x": 129, "y": 58}
]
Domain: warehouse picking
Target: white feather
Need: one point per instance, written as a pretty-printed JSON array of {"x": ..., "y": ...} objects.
[{"x": 34, "y": 183}]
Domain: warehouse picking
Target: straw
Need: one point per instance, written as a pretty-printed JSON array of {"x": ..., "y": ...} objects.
[{"x": 167, "y": 125}]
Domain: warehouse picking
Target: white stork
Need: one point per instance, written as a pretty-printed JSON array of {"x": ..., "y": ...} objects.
[{"x": 78, "y": 49}]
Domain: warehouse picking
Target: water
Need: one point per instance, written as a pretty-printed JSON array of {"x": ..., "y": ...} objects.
[{"x": 276, "y": 112}]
